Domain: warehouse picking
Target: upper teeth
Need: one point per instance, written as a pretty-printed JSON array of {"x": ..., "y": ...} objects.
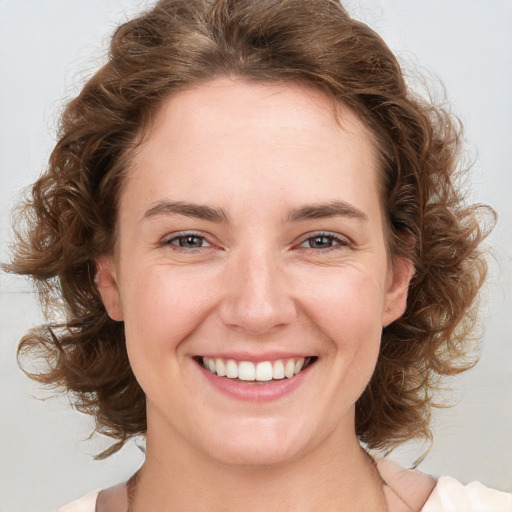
[{"x": 247, "y": 370}]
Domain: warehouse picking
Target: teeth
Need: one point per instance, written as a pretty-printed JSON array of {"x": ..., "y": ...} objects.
[
  {"x": 249, "y": 371},
  {"x": 298, "y": 365},
  {"x": 278, "y": 370},
  {"x": 289, "y": 369},
  {"x": 220, "y": 367},
  {"x": 246, "y": 371},
  {"x": 264, "y": 371},
  {"x": 231, "y": 369}
]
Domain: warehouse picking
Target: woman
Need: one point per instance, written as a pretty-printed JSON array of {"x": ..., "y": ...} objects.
[{"x": 264, "y": 258}]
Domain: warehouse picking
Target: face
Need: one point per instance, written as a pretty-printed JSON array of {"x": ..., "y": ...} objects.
[{"x": 251, "y": 271}]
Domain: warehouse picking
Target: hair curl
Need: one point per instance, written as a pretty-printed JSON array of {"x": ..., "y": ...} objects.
[{"x": 69, "y": 221}]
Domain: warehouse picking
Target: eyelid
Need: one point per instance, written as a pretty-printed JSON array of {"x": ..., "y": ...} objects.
[
  {"x": 168, "y": 239},
  {"x": 340, "y": 240}
]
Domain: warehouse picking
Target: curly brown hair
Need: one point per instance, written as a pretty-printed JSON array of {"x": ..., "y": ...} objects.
[{"x": 70, "y": 219}]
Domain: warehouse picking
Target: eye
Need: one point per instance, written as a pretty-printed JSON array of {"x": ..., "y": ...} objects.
[
  {"x": 188, "y": 241},
  {"x": 324, "y": 241}
]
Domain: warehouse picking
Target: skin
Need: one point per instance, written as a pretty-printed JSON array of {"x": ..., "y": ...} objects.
[{"x": 255, "y": 281}]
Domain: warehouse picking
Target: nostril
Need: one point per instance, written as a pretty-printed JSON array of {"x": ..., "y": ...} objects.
[{"x": 257, "y": 304}]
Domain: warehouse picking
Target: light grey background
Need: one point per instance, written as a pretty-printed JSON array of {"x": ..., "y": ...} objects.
[{"x": 47, "y": 49}]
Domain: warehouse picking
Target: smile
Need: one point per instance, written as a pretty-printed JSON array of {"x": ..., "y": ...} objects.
[{"x": 263, "y": 371}]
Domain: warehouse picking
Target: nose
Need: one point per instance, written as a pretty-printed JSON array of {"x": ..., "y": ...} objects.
[{"x": 257, "y": 299}]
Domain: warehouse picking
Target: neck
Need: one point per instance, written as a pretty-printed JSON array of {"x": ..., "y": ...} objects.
[{"x": 329, "y": 477}]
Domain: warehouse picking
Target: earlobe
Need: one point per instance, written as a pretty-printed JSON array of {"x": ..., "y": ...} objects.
[
  {"x": 106, "y": 282},
  {"x": 398, "y": 287}
]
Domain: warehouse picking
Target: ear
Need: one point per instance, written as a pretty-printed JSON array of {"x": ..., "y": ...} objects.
[
  {"x": 400, "y": 276},
  {"x": 106, "y": 283}
]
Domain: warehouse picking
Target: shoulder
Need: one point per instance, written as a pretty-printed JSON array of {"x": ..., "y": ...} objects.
[
  {"x": 412, "y": 490},
  {"x": 449, "y": 495},
  {"x": 85, "y": 504},
  {"x": 113, "y": 499},
  {"x": 404, "y": 489}
]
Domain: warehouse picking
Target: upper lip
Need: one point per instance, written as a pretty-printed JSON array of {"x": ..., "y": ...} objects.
[{"x": 255, "y": 358}]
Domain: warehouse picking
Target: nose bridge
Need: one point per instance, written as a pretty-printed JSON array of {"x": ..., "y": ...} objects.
[{"x": 257, "y": 298}]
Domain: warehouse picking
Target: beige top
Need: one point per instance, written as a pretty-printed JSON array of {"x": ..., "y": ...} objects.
[
  {"x": 449, "y": 495},
  {"x": 405, "y": 491}
]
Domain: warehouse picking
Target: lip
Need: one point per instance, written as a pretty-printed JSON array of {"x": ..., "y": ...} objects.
[
  {"x": 255, "y": 358},
  {"x": 254, "y": 392}
]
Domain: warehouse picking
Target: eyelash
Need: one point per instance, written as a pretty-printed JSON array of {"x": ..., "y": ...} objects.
[
  {"x": 185, "y": 235},
  {"x": 336, "y": 241}
]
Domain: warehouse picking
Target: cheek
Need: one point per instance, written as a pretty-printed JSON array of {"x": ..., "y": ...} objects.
[
  {"x": 161, "y": 309},
  {"x": 347, "y": 311},
  {"x": 146, "y": 308},
  {"x": 348, "y": 300}
]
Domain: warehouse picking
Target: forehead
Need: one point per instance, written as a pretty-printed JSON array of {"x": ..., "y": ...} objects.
[
  {"x": 267, "y": 108},
  {"x": 266, "y": 137}
]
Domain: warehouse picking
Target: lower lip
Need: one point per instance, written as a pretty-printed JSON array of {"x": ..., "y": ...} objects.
[{"x": 255, "y": 392}]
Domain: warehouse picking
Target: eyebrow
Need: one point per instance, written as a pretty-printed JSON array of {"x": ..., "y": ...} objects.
[
  {"x": 325, "y": 210},
  {"x": 188, "y": 210},
  {"x": 219, "y": 215}
]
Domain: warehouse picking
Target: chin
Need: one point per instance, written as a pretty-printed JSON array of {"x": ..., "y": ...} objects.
[
  {"x": 256, "y": 457},
  {"x": 259, "y": 447}
]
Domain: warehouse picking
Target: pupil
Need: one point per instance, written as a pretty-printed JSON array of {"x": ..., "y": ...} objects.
[
  {"x": 321, "y": 241},
  {"x": 190, "y": 241}
]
